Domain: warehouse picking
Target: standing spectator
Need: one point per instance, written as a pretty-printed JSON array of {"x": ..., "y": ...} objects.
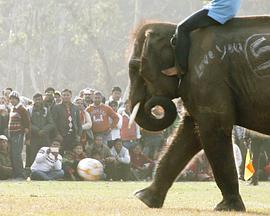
[
  {"x": 41, "y": 126},
  {"x": 129, "y": 135},
  {"x": 88, "y": 97},
  {"x": 100, "y": 115},
  {"x": 101, "y": 152},
  {"x": 237, "y": 158},
  {"x": 48, "y": 163},
  {"x": 86, "y": 122},
  {"x": 57, "y": 97},
  {"x": 18, "y": 126},
  {"x": 5, "y": 163},
  {"x": 121, "y": 169},
  {"x": 3, "y": 116},
  {"x": 71, "y": 160},
  {"x": 141, "y": 165},
  {"x": 6, "y": 94},
  {"x": 116, "y": 96},
  {"x": 66, "y": 117},
  {"x": 115, "y": 132},
  {"x": 49, "y": 98}
]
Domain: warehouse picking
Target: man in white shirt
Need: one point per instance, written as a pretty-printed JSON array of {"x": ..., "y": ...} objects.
[
  {"x": 121, "y": 170},
  {"x": 48, "y": 163}
]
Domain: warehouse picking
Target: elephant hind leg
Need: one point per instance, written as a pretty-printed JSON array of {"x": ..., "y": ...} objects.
[
  {"x": 216, "y": 138},
  {"x": 184, "y": 146}
]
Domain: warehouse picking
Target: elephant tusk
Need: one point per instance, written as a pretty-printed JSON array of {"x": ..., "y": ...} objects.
[{"x": 133, "y": 114}]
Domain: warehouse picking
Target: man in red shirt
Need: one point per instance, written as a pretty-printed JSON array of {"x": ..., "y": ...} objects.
[{"x": 100, "y": 115}]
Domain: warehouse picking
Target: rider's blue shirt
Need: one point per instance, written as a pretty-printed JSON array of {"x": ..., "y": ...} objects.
[{"x": 222, "y": 10}]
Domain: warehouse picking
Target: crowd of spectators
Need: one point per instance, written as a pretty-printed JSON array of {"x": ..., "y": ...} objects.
[{"x": 59, "y": 129}]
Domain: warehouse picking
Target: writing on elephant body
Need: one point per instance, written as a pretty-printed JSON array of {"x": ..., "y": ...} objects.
[{"x": 256, "y": 50}]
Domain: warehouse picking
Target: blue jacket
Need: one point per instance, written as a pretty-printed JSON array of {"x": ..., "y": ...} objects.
[{"x": 222, "y": 10}]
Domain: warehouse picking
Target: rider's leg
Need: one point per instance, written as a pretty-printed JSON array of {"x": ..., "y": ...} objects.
[{"x": 199, "y": 19}]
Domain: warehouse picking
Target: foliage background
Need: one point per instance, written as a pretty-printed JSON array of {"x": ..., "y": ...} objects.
[{"x": 80, "y": 43}]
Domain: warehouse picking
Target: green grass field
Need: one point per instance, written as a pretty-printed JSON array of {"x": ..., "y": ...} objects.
[{"x": 116, "y": 198}]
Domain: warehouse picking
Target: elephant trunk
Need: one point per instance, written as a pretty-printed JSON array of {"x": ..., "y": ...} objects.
[{"x": 147, "y": 119}]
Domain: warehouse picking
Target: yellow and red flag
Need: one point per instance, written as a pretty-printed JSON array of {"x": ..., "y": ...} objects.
[{"x": 249, "y": 169}]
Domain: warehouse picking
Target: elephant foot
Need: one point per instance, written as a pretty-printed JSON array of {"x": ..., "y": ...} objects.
[
  {"x": 149, "y": 198},
  {"x": 231, "y": 204}
]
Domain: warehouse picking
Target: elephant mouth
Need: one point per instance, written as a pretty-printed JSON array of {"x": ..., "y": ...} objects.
[{"x": 156, "y": 114}]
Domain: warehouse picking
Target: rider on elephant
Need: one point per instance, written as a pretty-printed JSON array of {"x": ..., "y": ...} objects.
[{"x": 215, "y": 13}]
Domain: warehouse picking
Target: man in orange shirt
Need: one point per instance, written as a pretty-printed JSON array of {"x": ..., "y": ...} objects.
[{"x": 100, "y": 115}]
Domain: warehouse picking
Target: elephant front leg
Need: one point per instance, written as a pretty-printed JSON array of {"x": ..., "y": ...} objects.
[
  {"x": 185, "y": 145},
  {"x": 217, "y": 143}
]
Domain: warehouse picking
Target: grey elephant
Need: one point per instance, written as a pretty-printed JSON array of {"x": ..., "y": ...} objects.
[{"x": 227, "y": 83}]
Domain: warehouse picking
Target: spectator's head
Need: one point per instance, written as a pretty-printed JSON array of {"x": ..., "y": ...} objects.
[
  {"x": 14, "y": 98},
  {"x": 137, "y": 149},
  {"x": 87, "y": 96},
  {"x": 127, "y": 106},
  {"x": 97, "y": 98},
  {"x": 3, "y": 143},
  {"x": 50, "y": 90},
  {"x": 57, "y": 97},
  {"x": 118, "y": 145},
  {"x": 98, "y": 140},
  {"x": 113, "y": 105},
  {"x": 7, "y": 91},
  {"x": 49, "y": 95},
  {"x": 78, "y": 149},
  {"x": 79, "y": 102},
  {"x": 38, "y": 100},
  {"x": 66, "y": 95},
  {"x": 116, "y": 93},
  {"x": 56, "y": 143}
]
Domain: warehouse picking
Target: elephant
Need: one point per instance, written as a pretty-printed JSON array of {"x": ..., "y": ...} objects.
[
  {"x": 260, "y": 147},
  {"x": 227, "y": 84}
]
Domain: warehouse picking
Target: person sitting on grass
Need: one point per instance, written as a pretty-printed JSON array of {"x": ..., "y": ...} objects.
[
  {"x": 101, "y": 152},
  {"x": 5, "y": 162},
  {"x": 71, "y": 160},
  {"x": 48, "y": 163},
  {"x": 141, "y": 165},
  {"x": 121, "y": 165}
]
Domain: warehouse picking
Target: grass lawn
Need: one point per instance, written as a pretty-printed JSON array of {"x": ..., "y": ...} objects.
[{"x": 116, "y": 198}]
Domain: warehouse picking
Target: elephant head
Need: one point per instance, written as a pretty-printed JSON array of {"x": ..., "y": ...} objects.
[{"x": 152, "y": 53}]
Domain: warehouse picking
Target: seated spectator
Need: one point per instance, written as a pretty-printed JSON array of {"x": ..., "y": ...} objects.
[
  {"x": 48, "y": 163},
  {"x": 101, "y": 152},
  {"x": 152, "y": 142},
  {"x": 198, "y": 169},
  {"x": 71, "y": 160},
  {"x": 5, "y": 162},
  {"x": 141, "y": 165},
  {"x": 121, "y": 165}
]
